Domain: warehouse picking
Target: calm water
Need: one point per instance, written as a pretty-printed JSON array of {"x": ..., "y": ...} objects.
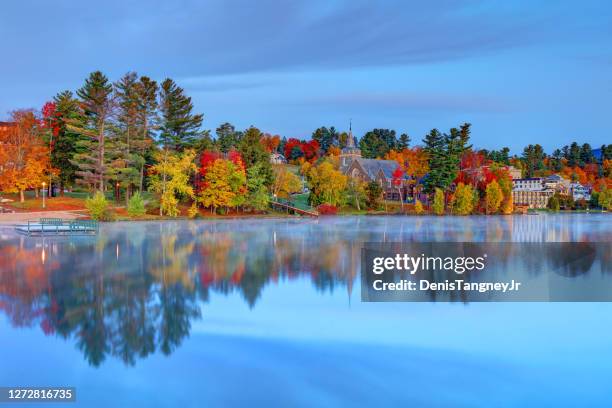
[{"x": 268, "y": 313}]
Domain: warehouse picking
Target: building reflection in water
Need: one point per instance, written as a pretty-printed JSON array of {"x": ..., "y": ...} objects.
[{"x": 136, "y": 288}]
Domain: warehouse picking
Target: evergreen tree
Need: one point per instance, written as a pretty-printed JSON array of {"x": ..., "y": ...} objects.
[
  {"x": 404, "y": 141},
  {"x": 227, "y": 137},
  {"x": 433, "y": 144},
  {"x": 533, "y": 157},
  {"x": 98, "y": 105},
  {"x": 65, "y": 141},
  {"x": 464, "y": 137},
  {"x": 326, "y": 138},
  {"x": 454, "y": 147},
  {"x": 180, "y": 127},
  {"x": 125, "y": 162},
  {"x": 586, "y": 155},
  {"x": 254, "y": 153},
  {"x": 377, "y": 142},
  {"x": 146, "y": 90},
  {"x": 573, "y": 158}
]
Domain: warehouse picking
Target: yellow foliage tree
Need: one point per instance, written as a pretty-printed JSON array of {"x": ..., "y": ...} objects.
[
  {"x": 493, "y": 197},
  {"x": 463, "y": 199},
  {"x": 224, "y": 185},
  {"x": 327, "y": 184},
  {"x": 285, "y": 182},
  {"x": 171, "y": 177}
]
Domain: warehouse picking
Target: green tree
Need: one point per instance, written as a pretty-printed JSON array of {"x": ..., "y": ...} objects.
[
  {"x": 377, "y": 143},
  {"x": 227, "y": 137},
  {"x": 98, "y": 104},
  {"x": 326, "y": 137},
  {"x": 180, "y": 127},
  {"x": 438, "y": 202},
  {"x": 148, "y": 119},
  {"x": 604, "y": 199},
  {"x": 493, "y": 197},
  {"x": 65, "y": 141},
  {"x": 533, "y": 157},
  {"x": 254, "y": 153},
  {"x": 404, "y": 141},
  {"x": 433, "y": 144},
  {"x": 258, "y": 198},
  {"x": 356, "y": 189}
]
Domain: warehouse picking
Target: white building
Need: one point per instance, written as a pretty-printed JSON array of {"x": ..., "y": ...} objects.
[{"x": 580, "y": 192}]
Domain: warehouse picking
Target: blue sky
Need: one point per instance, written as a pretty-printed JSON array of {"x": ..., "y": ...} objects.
[{"x": 520, "y": 72}]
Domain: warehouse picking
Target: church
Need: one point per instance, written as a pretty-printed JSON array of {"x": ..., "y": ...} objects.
[{"x": 381, "y": 171}]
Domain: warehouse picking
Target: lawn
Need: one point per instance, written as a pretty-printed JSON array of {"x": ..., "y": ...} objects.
[{"x": 52, "y": 204}]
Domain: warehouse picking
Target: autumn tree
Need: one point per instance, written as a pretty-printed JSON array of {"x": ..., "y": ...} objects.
[
  {"x": 327, "y": 184},
  {"x": 357, "y": 192},
  {"x": 170, "y": 178},
  {"x": 285, "y": 182},
  {"x": 438, "y": 202},
  {"x": 493, "y": 197},
  {"x": 224, "y": 185},
  {"x": 397, "y": 181},
  {"x": 24, "y": 157},
  {"x": 462, "y": 201}
]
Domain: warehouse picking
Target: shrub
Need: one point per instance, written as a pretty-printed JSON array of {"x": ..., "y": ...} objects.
[
  {"x": 327, "y": 209},
  {"x": 136, "y": 206},
  {"x": 192, "y": 212},
  {"x": 98, "y": 207},
  {"x": 418, "y": 207}
]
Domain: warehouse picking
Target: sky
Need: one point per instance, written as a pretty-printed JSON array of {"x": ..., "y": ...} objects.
[{"x": 520, "y": 72}]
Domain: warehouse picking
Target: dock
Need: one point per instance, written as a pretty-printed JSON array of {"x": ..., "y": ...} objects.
[
  {"x": 292, "y": 206},
  {"x": 58, "y": 226}
]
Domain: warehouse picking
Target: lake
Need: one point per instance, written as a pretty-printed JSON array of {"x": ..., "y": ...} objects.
[{"x": 263, "y": 312}]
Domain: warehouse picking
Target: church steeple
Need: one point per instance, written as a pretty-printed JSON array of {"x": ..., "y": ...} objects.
[
  {"x": 350, "y": 143},
  {"x": 350, "y": 151}
]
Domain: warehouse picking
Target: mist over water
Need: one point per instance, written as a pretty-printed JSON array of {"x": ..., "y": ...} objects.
[{"x": 268, "y": 312}]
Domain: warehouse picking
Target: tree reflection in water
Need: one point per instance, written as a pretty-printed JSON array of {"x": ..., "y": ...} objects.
[
  {"x": 133, "y": 291},
  {"x": 136, "y": 288}
]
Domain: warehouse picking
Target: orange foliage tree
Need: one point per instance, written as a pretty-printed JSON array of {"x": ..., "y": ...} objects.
[{"x": 24, "y": 157}]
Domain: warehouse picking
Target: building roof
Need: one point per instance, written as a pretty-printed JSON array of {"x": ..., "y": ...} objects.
[{"x": 373, "y": 166}]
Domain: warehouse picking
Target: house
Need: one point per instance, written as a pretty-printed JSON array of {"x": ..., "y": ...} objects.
[
  {"x": 580, "y": 192},
  {"x": 367, "y": 170},
  {"x": 277, "y": 158}
]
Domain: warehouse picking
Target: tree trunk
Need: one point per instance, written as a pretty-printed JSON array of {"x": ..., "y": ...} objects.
[
  {"x": 62, "y": 189},
  {"x": 21, "y": 196}
]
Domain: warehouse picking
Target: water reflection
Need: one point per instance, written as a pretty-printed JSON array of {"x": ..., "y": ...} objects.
[{"x": 136, "y": 288}]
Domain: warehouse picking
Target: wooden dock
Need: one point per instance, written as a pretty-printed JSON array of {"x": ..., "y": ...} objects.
[
  {"x": 291, "y": 206},
  {"x": 57, "y": 226}
]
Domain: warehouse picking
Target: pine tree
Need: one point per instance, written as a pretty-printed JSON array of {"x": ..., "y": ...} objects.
[
  {"x": 65, "y": 141},
  {"x": 227, "y": 137},
  {"x": 146, "y": 90},
  {"x": 126, "y": 162},
  {"x": 404, "y": 142},
  {"x": 433, "y": 144},
  {"x": 253, "y": 153},
  {"x": 98, "y": 105},
  {"x": 464, "y": 137},
  {"x": 180, "y": 128}
]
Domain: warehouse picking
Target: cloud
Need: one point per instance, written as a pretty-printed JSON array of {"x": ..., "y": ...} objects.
[
  {"x": 218, "y": 37},
  {"x": 429, "y": 102}
]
